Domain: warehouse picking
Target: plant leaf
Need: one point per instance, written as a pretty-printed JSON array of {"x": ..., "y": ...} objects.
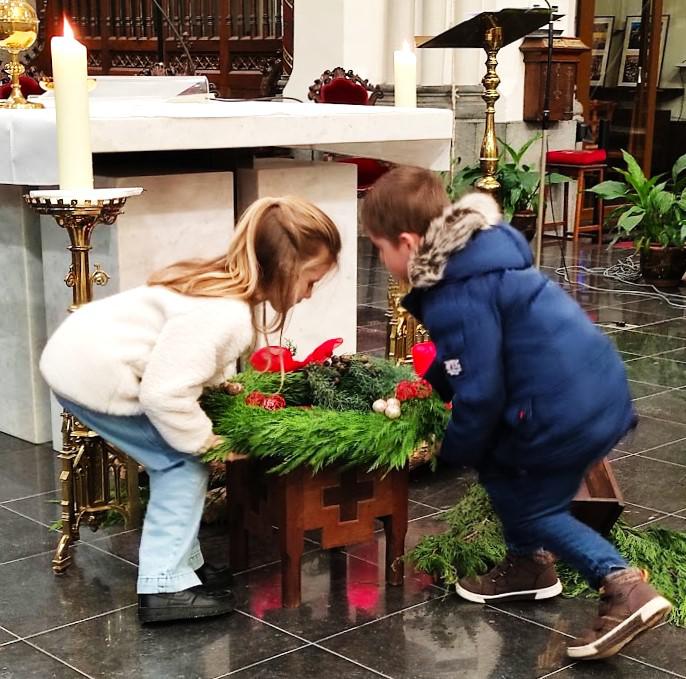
[
  {"x": 678, "y": 167},
  {"x": 610, "y": 189},
  {"x": 628, "y": 221},
  {"x": 635, "y": 175}
]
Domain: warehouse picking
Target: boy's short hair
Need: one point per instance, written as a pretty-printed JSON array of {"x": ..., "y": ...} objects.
[{"x": 404, "y": 200}]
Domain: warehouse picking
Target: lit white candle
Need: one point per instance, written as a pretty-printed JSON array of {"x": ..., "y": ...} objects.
[
  {"x": 70, "y": 76},
  {"x": 405, "y": 68}
]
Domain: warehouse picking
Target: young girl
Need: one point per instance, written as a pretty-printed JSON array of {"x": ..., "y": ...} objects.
[
  {"x": 132, "y": 367},
  {"x": 538, "y": 394}
]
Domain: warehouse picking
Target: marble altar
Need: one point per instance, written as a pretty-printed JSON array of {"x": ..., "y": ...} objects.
[{"x": 187, "y": 209}]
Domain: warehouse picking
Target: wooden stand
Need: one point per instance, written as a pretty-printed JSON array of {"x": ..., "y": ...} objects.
[
  {"x": 599, "y": 501},
  {"x": 342, "y": 503}
]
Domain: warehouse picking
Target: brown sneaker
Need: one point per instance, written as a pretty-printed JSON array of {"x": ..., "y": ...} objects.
[
  {"x": 628, "y": 606},
  {"x": 517, "y": 577}
]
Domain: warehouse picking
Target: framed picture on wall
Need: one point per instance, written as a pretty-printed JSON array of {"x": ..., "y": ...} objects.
[
  {"x": 628, "y": 67},
  {"x": 600, "y": 49}
]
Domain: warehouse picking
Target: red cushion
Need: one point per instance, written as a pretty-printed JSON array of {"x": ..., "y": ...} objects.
[
  {"x": 368, "y": 170},
  {"x": 343, "y": 91},
  {"x": 28, "y": 87},
  {"x": 572, "y": 157}
]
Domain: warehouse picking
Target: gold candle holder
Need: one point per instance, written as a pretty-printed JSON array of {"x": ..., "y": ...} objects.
[
  {"x": 403, "y": 330},
  {"x": 493, "y": 41},
  {"x": 95, "y": 477},
  {"x": 18, "y": 31}
]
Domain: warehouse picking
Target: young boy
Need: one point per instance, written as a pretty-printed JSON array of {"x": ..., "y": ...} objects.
[{"x": 538, "y": 392}]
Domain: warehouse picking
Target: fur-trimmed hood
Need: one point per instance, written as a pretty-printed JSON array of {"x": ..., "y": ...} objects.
[
  {"x": 449, "y": 233},
  {"x": 469, "y": 239}
]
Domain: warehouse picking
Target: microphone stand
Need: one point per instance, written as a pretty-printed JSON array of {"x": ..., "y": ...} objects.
[{"x": 545, "y": 120}]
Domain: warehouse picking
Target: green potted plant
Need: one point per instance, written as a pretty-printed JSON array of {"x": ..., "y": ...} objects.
[
  {"x": 653, "y": 214},
  {"x": 519, "y": 183}
]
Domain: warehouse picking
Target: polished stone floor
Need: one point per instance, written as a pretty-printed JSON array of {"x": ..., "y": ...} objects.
[{"x": 350, "y": 624}]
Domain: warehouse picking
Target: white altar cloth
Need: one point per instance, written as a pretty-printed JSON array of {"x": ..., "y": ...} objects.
[{"x": 401, "y": 135}]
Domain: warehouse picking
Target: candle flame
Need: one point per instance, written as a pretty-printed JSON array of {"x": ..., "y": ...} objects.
[{"x": 67, "y": 31}]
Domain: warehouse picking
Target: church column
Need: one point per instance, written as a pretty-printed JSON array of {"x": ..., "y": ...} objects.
[{"x": 400, "y": 26}]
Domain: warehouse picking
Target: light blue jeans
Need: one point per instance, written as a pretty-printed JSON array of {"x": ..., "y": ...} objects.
[{"x": 169, "y": 550}]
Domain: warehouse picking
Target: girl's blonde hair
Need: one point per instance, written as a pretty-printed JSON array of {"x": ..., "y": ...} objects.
[{"x": 273, "y": 240}]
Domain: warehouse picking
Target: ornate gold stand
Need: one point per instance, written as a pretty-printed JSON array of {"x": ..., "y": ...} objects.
[
  {"x": 493, "y": 41},
  {"x": 95, "y": 477},
  {"x": 403, "y": 330}
]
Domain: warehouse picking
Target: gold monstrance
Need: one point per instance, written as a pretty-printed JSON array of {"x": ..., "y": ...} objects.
[
  {"x": 490, "y": 31},
  {"x": 18, "y": 31}
]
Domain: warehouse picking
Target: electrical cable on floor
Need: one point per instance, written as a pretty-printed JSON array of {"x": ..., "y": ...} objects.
[{"x": 626, "y": 271}]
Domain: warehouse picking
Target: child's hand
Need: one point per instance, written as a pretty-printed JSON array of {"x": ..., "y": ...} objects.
[{"x": 232, "y": 457}]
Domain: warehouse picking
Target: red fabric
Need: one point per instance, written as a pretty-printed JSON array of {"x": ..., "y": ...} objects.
[
  {"x": 271, "y": 358},
  {"x": 28, "y": 87},
  {"x": 343, "y": 91},
  {"x": 573, "y": 157},
  {"x": 368, "y": 170}
]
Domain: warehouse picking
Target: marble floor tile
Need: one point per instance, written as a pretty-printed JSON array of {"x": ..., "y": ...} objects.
[
  {"x": 34, "y": 599},
  {"x": 27, "y": 472},
  {"x": 651, "y": 483},
  {"x": 650, "y": 433},
  {"x": 116, "y": 645},
  {"x": 449, "y": 637},
  {"x": 644, "y": 343},
  {"x": 22, "y": 660},
  {"x": 665, "y": 406},
  {"x": 339, "y": 591},
  {"x": 308, "y": 663},
  {"x": 659, "y": 371}
]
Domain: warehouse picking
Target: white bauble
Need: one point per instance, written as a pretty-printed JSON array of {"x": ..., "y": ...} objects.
[
  {"x": 392, "y": 412},
  {"x": 393, "y": 402},
  {"x": 379, "y": 406}
]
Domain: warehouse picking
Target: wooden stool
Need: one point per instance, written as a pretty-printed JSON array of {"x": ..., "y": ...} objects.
[
  {"x": 342, "y": 503},
  {"x": 577, "y": 165}
]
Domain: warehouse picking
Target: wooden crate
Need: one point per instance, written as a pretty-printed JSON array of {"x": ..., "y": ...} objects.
[{"x": 599, "y": 501}]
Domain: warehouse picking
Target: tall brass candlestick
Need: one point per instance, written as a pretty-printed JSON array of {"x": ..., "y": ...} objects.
[
  {"x": 489, "y": 146},
  {"x": 95, "y": 477}
]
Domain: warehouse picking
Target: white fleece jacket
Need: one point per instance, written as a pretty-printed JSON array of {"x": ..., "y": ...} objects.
[{"x": 149, "y": 350}]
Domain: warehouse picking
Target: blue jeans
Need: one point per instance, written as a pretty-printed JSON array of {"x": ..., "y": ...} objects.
[
  {"x": 169, "y": 550},
  {"x": 534, "y": 509}
]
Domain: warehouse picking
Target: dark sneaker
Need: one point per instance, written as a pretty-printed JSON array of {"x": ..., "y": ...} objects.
[
  {"x": 196, "y": 602},
  {"x": 628, "y": 606},
  {"x": 515, "y": 578},
  {"x": 214, "y": 578}
]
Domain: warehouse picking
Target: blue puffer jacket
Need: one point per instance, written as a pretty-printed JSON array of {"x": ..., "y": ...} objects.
[{"x": 535, "y": 383}]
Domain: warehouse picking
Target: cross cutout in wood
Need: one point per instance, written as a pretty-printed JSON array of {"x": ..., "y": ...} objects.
[{"x": 348, "y": 495}]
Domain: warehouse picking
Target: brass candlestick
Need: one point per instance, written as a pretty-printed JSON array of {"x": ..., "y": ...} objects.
[
  {"x": 18, "y": 31},
  {"x": 489, "y": 146},
  {"x": 403, "y": 330},
  {"x": 95, "y": 477}
]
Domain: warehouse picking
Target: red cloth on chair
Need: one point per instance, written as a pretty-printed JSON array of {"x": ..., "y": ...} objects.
[
  {"x": 368, "y": 171},
  {"x": 28, "y": 86},
  {"x": 343, "y": 91},
  {"x": 573, "y": 157}
]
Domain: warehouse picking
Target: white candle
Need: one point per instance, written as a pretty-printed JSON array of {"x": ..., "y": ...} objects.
[
  {"x": 405, "y": 67},
  {"x": 70, "y": 76}
]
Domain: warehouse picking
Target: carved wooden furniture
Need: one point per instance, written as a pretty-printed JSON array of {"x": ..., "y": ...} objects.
[
  {"x": 566, "y": 55},
  {"x": 342, "y": 503},
  {"x": 237, "y": 45},
  {"x": 338, "y": 86}
]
